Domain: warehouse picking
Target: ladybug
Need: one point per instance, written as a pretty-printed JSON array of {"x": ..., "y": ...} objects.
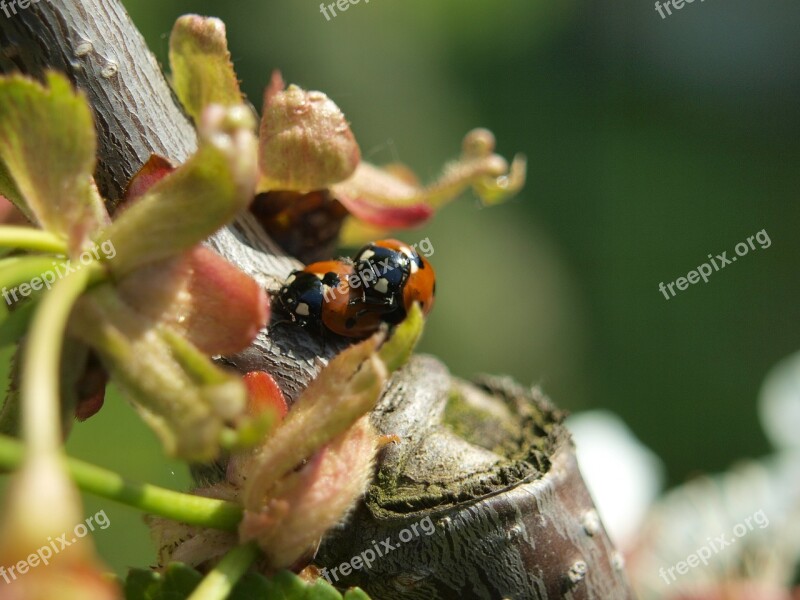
[
  {"x": 302, "y": 297},
  {"x": 353, "y": 299},
  {"x": 401, "y": 277},
  {"x": 322, "y": 295}
]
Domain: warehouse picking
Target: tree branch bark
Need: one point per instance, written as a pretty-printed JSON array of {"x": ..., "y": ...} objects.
[{"x": 489, "y": 463}]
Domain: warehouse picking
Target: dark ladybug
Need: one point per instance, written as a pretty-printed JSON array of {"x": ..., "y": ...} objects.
[
  {"x": 327, "y": 294},
  {"x": 303, "y": 295},
  {"x": 400, "y": 277}
]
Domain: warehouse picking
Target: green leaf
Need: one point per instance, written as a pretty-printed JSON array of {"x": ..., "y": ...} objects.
[
  {"x": 251, "y": 587},
  {"x": 139, "y": 583},
  {"x": 398, "y": 348},
  {"x": 356, "y": 594},
  {"x": 47, "y": 156},
  {"x": 176, "y": 583},
  {"x": 193, "y": 202},
  {"x": 202, "y": 73}
]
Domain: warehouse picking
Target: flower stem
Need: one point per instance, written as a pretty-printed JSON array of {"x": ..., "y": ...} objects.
[
  {"x": 39, "y": 381},
  {"x": 219, "y": 582},
  {"x": 28, "y": 238},
  {"x": 23, "y": 269},
  {"x": 186, "y": 508}
]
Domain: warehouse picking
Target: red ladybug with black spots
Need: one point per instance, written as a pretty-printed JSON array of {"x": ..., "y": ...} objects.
[{"x": 353, "y": 299}]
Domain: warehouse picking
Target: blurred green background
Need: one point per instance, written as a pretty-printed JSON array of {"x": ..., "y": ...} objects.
[{"x": 651, "y": 143}]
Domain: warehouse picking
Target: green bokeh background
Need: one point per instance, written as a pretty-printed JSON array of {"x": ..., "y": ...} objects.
[{"x": 651, "y": 143}]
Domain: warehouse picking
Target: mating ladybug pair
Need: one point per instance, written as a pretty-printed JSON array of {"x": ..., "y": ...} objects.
[{"x": 353, "y": 298}]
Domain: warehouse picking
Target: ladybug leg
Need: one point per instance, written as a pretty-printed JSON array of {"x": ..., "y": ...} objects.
[
  {"x": 280, "y": 317},
  {"x": 373, "y": 302}
]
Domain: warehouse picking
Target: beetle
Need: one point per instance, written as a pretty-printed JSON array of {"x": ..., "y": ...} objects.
[{"x": 354, "y": 298}]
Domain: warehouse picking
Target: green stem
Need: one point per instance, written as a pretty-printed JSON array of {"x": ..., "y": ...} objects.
[
  {"x": 28, "y": 238},
  {"x": 39, "y": 381},
  {"x": 23, "y": 269},
  {"x": 219, "y": 582},
  {"x": 186, "y": 508}
]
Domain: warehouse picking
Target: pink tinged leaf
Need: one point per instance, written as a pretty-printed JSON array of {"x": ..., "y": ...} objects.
[
  {"x": 48, "y": 154},
  {"x": 382, "y": 198},
  {"x": 202, "y": 72},
  {"x": 344, "y": 391},
  {"x": 305, "y": 142},
  {"x": 229, "y": 308},
  {"x": 263, "y": 394},
  {"x": 391, "y": 198},
  {"x": 159, "y": 291},
  {"x": 216, "y": 306},
  {"x": 314, "y": 499},
  {"x": 154, "y": 170},
  {"x": 190, "y": 204}
]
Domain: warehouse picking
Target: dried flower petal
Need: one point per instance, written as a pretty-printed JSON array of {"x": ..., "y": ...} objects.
[{"x": 390, "y": 198}]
